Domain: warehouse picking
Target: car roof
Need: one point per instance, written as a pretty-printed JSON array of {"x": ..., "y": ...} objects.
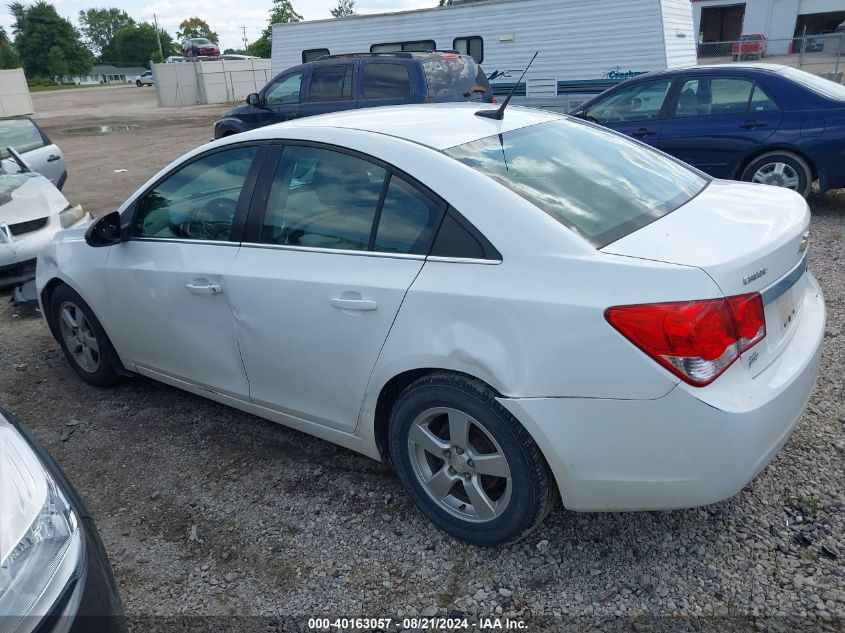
[
  {"x": 439, "y": 126},
  {"x": 710, "y": 68}
]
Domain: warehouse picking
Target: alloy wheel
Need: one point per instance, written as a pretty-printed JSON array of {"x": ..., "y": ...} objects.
[
  {"x": 459, "y": 464},
  {"x": 778, "y": 175},
  {"x": 79, "y": 336}
]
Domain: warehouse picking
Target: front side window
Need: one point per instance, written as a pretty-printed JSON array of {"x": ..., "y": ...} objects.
[
  {"x": 322, "y": 199},
  {"x": 640, "y": 102},
  {"x": 198, "y": 202},
  {"x": 21, "y": 134},
  {"x": 285, "y": 90},
  {"x": 598, "y": 183},
  {"x": 331, "y": 83},
  {"x": 707, "y": 96},
  {"x": 472, "y": 46},
  {"x": 386, "y": 81}
]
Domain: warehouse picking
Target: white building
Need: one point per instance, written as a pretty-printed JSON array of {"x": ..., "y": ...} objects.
[
  {"x": 778, "y": 20},
  {"x": 107, "y": 74},
  {"x": 584, "y": 45}
]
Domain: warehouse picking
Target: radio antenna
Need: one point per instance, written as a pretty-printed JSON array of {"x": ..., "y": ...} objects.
[{"x": 499, "y": 113}]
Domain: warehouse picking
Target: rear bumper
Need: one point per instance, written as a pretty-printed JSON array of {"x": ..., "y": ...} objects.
[{"x": 689, "y": 448}]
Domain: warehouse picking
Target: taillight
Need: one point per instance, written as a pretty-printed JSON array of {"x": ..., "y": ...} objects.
[
  {"x": 695, "y": 340},
  {"x": 494, "y": 100}
]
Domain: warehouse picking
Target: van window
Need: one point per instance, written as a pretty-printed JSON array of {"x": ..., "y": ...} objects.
[
  {"x": 313, "y": 54},
  {"x": 455, "y": 79},
  {"x": 386, "y": 81},
  {"x": 472, "y": 46},
  {"x": 419, "y": 46},
  {"x": 331, "y": 83}
]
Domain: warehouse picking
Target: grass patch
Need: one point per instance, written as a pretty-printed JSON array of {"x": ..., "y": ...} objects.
[{"x": 66, "y": 87}]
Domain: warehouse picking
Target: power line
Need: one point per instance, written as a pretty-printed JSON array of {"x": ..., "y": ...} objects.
[{"x": 246, "y": 45}]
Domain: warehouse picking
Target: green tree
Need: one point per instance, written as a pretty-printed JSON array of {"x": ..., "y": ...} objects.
[
  {"x": 196, "y": 27},
  {"x": 343, "y": 8},
  {"x": 100, "y": 26},
  {"x": 38, "y": 29},
  {"x": 8, "y": 56},
  {"x": 282, "y": 12},
  {"x": 136, "y": 45},
  {"x": 56, "y": 64}
]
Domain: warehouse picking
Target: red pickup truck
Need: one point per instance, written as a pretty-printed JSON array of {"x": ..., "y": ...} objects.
[{"x": 749, "y": 45}]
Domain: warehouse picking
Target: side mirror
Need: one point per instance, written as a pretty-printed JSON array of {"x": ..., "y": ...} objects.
[
  {"x": 105, "y": 232},
  {"x": 253, "y": 99}
]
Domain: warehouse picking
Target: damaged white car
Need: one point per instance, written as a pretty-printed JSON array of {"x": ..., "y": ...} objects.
[{"x": 32, "y": 211}]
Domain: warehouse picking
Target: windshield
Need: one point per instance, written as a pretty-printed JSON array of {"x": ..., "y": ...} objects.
[
  {"x": 201, "y": 40},
  {"x": 819, "y": 85},
  {"x": 598, "y": 183},
  {"x": 751, "y": 38}
]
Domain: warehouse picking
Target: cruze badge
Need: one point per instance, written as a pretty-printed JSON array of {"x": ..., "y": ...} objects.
[{"x": 755, "y": 275}]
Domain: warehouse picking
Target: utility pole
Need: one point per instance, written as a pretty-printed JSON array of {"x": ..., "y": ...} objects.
[
  {"x": 158, "y": 37},
  {"x": 246, "y": 44}
]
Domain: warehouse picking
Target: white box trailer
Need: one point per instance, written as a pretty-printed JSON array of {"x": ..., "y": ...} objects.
[
  {"x": 14, "y": 94},
  {"x": 585, "y": 46}
]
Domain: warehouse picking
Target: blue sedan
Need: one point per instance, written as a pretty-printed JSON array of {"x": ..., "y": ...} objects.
[{"x": 759, "y": 123}]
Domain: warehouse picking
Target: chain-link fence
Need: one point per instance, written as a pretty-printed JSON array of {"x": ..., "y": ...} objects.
[{"x": 819, "y": 54}]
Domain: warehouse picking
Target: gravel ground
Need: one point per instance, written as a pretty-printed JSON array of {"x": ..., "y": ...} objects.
[{"x": 208, "y": 511}]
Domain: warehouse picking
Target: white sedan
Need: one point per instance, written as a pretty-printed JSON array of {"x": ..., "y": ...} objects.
[{"x": 504, "y": 309}]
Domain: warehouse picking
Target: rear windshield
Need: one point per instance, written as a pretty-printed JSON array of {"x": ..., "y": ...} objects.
[
  {"x": 819, "y": 85},
  {"x": 457, "y": 78},
  {"x": 752, "y": 38},
  {"x": 598, "y": 183}
]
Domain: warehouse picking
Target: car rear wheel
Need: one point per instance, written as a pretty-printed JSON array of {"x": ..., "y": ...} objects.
[
  {"x": 780, "y": 169},
  {"x": 467, "y": 463},
  {"x": 82, "y": 338}
]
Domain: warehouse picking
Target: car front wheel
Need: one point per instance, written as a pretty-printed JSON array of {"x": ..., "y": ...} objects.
[
  {"x": 467, "y": 463},
  {"x": 780, "y": 169},
  {"x": 138, "y": 83},
  {"x": 82, "y": 338}
]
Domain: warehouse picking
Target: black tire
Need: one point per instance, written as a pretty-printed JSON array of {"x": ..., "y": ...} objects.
[
  {"x": 793, "y": 162},
  {"x": 138, "y": 83},
  {"x": 532, "y": 493},
  {"x": 106, "y": 372}
]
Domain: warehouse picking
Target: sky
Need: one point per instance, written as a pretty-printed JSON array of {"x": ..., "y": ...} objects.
[{"x": 226, "y": 17}]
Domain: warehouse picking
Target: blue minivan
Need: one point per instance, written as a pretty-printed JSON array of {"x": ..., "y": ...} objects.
[{"x": 360, "y": 80}]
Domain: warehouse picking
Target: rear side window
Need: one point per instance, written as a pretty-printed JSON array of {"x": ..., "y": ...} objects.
[
  {"x": 761, "y": 101},
  {"x": 455, "y": 79},
  {"x": 458, "y": 238},
  {"x": 408, "y": 220},
  {"x": 598, "y": 183},
  {"x": 331, "y": 83},
  {"x": 386, "y": 81},
  {"x": 22, "y": 134},
  {"x": 707, "y": 96},
  {"x": 472, "y": 46}
]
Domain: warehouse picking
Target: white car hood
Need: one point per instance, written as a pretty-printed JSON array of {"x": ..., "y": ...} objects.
[{"x": 28, "y": 196}]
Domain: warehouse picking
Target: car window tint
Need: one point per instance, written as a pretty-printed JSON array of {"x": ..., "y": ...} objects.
[
  {"x": 455, "y": 79},
  {"x": 322, "y": 199},
  {"x": 331, "y": 83},
  {"x": 21, "y": 134},
  {"x": 707, "y": 96},
  {"x": 640, "y": 102},
  {"x": 408, "y": 220},
  {"x": 285, "y": 90},
  {"x": 198, "y": 201},
  {"x": 386, "y": 81},
  {"x": 761, "y": 101},
  {"x": 598, "y": 183}
]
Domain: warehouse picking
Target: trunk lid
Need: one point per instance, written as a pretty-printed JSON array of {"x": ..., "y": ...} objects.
[{"x": 747, "y": 238}]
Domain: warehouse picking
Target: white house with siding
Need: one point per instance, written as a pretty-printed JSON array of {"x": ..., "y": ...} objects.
[{"x": 584, "y": 45}]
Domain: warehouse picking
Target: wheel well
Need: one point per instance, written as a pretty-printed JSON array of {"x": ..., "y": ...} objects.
[
  {"x": 46, "y": 297},
  {"x": 392, "y": 390},
  {"x": 766, "y": 150}
]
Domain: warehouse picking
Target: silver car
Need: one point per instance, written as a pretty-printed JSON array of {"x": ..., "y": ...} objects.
[
  {"x": 145, "y": 79},
  {"x": 34, "y": 146}
]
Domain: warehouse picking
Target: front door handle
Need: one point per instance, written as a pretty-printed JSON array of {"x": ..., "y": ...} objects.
[
  {"x": 750, "y": 125},
  {"x": 204, "y": 288},
  {"x": 644, "y": 131},
  {"x": 361, "y": 305},
  {"x": 53, "y": 158}
]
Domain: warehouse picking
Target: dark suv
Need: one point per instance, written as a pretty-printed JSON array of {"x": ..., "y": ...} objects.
[{"x": 361, "y": 80}]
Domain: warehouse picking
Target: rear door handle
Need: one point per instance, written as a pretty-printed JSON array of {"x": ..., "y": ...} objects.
[
  {"x": 204, "y": 288},
  {"x": 750, "y": 125},
  {"x": 644, "y": 131},
  {"x": 361, "y": 305},
  {"x": 53, "y": 158}
]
